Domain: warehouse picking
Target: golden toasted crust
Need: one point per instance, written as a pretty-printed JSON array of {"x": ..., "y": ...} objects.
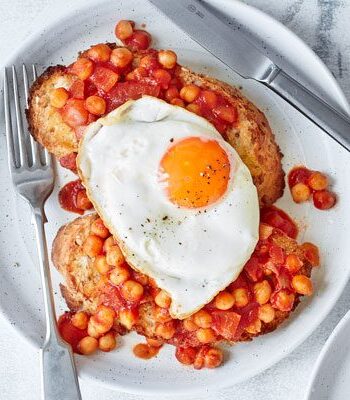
[
  {"x": 82, "y": 281},
  {"x": 45, "y": 122},
  {"x": 251, "y": 137}
]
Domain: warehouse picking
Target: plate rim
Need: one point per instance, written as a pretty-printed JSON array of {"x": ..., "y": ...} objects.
[
  {"x": 339, "y": 98},
  {"x": 332, "y": 338}
]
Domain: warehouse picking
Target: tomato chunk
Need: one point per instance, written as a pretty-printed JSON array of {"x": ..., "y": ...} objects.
[
  {"x": 253, "y": 269},
  {"x": 139, "y": 40},
  {"x": 74, "y": 113},
  {"x": 69, "y": 162},
  {"x": 124, "y": 91},
  {"x": 77, "y": 89},
  {"x": 104, "y": 78},
  {"x": 323, "y": 199},
  {"x": 69, "y": 194},
  {"x": 225, "y": 323},
  {"x": 279, "y": 219}
]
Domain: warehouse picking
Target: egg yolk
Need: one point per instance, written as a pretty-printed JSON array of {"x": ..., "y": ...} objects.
[{"x": 196, "y": 172}]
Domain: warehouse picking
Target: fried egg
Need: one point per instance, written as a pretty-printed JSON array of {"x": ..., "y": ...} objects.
[{"x": 176, "y": 196}]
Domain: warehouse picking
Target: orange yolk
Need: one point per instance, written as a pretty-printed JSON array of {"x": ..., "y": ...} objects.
[{"x": 197, "y": 172}]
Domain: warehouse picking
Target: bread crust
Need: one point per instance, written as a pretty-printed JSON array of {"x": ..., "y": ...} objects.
[
  {"x": 251, "y": 136},
  {"x": 82, "y": 287}
]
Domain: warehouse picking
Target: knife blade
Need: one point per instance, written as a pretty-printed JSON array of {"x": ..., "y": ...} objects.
[{"x": 230, "y": 45}]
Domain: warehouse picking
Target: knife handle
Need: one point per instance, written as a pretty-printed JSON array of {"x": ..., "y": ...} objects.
[{"x": 334, "y": 123}]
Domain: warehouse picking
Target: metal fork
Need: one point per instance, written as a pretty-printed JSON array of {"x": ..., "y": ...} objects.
[{"x": 33, "y": 178}]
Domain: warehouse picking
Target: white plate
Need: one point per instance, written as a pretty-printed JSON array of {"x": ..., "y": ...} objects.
[
  {"x": 330, "y": 378},
  {"x": 76, "y": 28}
]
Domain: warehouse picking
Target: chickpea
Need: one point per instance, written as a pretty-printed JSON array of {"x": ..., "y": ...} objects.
[
  {"x": 101, "y": 322},
  {"x": 87, "y": 345},
  {"x": 224, "y": 300},
  {"x": 311, "y": 253},
  {"x": 80, "y": 320},
  {"x": 241, "y": 297},
  {"x": 189, "y": 93},
  {"x": 189, "y": 325},
  {"x": 193, "y": 107},
  {"x": 98, "y": 228},
  {"x": 166, "y": 330},
  {"x": 82, "y": 68},
  {"x": 209, "y": 98},
  {"x": 167, "y": 58},
  {"x": 124, "y": 29},
  {"x": 284, "y": 300},
  {"x": 127, "y": 318},
  {"x": 177, "y": 102},
  {"x": 206, "y": 335},
  {"x": 107, "y": 342},
  {"x": 171, "y": 93},
  {"x": 109, "y": 242},
  {"x": 186, "y": 355},
  {"x": 202, "y": 319},
  {"x": 293, "y": 263},
  {"x": 266, "y": 313},
  {"x": 141, "y": 278},
  {"x": 302, "y": 285},
  {"x": 95, "y": 105},
  {"x": 119, "y": 275},
  {"x": 213, "y": 358},
  {"x": 262, "y": 292},
  {"x": 121, "y": 57},
  {"x": 318, "y": 181},
  {"x": 300, "y": 192},
  {"x": 100, "y": 52},
  {"x": 149, "y": 62},
  {"x": 83, "y": 201},
  {"x": 101, "y": 265},
  {"x": 162, "y": 299},
  {"x": 59, "y": 97},
  {"x": 163, "y": 77},
  {"x": 93, "y": 246},
  {"x": 154, "y": 342},
  {"x": 161, "y": 314},
  {"x": 93, "y": 328},
  {"x": 145, "y": 351},
  {"x": 254, "y": 327},
  {"x": 132, "y": 290},
  {"x": 265, "y": 231},
  {"x": 114, "y": 256}
]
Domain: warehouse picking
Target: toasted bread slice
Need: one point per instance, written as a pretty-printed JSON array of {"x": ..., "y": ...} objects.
[
  {"x": 251, "y": 136},
  {"x": 83, "y": 285}
]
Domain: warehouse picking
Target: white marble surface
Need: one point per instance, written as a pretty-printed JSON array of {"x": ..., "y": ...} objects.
[{"x": 323, "y": 24}]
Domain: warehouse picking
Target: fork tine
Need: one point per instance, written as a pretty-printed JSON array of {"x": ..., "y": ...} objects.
[
  {"x": 47, "y": 159},
  {"x": 11, "y": 153},
  {"x": 33, "y": 144},
  {"x": 34, "y": 71},
  {"x": 23, "y": 159}
]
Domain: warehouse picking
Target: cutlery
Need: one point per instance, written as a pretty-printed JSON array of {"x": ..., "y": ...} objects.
[
  {"x": 33, "y": 177},
  {"x": 229, "y": 44}
]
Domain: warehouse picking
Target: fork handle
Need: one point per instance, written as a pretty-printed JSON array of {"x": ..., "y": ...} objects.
[{"x": 59, "y": 375}]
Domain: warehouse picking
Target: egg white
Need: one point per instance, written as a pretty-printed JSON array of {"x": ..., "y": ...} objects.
[{"x": 191, "y": 253}]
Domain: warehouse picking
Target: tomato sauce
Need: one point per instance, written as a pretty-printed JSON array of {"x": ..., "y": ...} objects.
[
  {"x": 279, "y": 219},
  {"x": 69, "y": 332},
  {"x": 70, "y": 196}
]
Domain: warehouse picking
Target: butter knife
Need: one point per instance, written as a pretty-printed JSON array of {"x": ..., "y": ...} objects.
[{"x": 230, "y": 45}]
